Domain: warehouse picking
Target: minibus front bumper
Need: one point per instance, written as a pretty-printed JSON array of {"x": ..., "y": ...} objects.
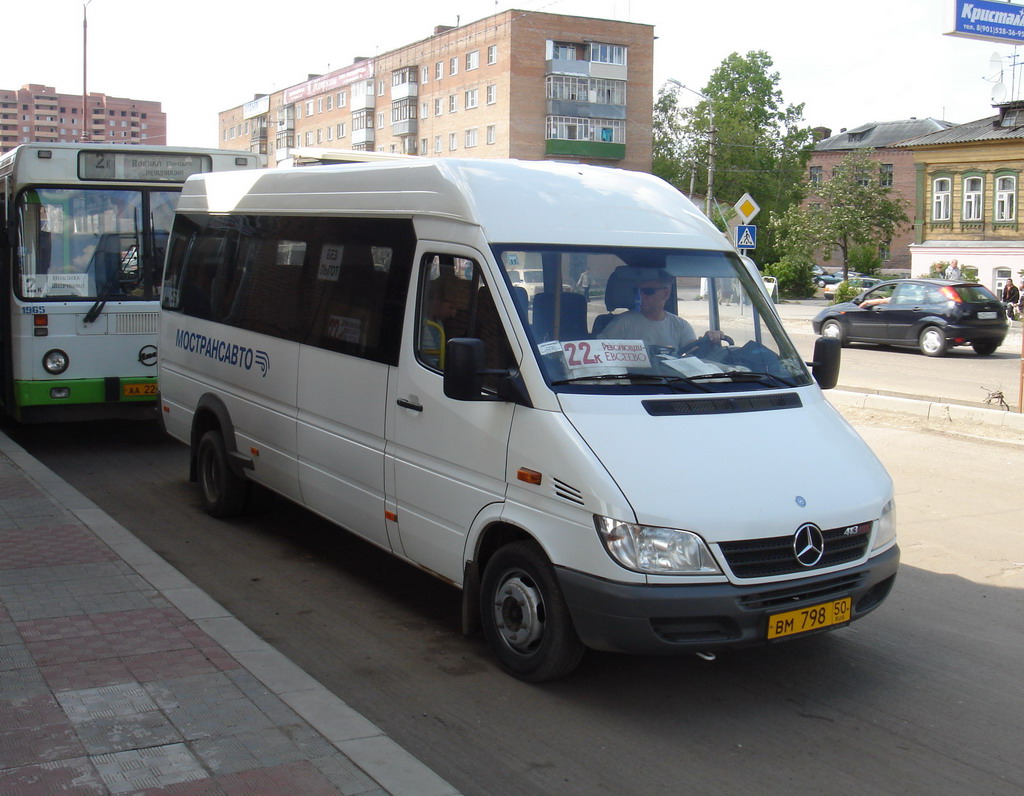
[{"x": 653, "y": 619}]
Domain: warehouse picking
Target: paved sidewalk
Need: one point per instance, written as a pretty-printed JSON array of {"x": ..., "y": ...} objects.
[{"x": 118, "y": 675}]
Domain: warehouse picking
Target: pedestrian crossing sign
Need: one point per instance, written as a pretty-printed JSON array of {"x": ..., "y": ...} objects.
[{"x": 746, "y": 236}]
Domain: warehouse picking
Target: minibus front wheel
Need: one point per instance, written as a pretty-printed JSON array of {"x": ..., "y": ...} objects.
[
  {"x": 223, "y": 490},
  {"x": 525, "y": 617}
]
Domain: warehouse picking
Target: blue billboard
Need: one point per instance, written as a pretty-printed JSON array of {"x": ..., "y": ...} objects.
[{"x": 988, "y": 20}]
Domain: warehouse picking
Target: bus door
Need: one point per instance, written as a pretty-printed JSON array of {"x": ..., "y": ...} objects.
[{"x": 447, "y": 457}]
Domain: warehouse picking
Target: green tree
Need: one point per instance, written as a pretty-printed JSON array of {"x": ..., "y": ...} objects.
[
  {"x": 760, "y": 144},
  {"x": 848, "y": 210},
  {"x": 669, "y": 134}
]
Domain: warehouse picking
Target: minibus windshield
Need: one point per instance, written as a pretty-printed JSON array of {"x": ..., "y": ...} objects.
[{"x": 617, "y": 318}]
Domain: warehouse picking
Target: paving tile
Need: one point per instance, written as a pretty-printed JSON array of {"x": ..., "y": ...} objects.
[
  {"x": 140, "y": 769},
  {"x": 346, "y": 776},
  {"x": 126, "y": 732},
  {"x": 75, "y": 777},
  {"x": 75, "y": 675},
  {"x": 57, "y": 628},
  {"x": 14, "y": 656},
  {"x": 299, "y": 777},
  {"x": 247, "y": 750},
  {"x": 166, "y": 665},
  {"x": 22, "y": 684},
  {"x": 125, "y": 699},
  {"x": 71, "y": 649},
  {"x": 39, "y": 744},
  {"x": 21, "y": 713}
]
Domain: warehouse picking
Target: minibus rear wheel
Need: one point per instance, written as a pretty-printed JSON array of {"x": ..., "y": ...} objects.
[
  {"x": 223, "y": 491},
  {"x": 524, "y": 615}
]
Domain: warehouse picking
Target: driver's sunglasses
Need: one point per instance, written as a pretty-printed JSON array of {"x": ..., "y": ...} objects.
[{"x": 650, "y": 291}]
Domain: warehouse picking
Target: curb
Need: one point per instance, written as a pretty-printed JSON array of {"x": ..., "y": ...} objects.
[{"x": 929, "y": 410}]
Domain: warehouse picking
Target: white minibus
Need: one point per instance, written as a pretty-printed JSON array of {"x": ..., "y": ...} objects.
[{"x": 653, "y": 470}]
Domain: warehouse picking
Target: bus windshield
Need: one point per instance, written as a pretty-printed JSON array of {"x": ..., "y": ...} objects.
[
  {"x": 91, "y": 243},
  {"x": 617, "y": 318}
]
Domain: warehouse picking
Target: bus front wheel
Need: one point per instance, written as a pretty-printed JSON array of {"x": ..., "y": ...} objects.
[
  {"x": 223, "y": 491},
  {"x": 524, "y": 615}
]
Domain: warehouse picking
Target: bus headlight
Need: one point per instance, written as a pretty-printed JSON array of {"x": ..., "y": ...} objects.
[
  {"x": 662, "y": 551},
  {"x": 56, "y": 362},
  {"x": 885, "y": 526}
]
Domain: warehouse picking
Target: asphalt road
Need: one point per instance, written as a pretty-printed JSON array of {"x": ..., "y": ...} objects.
[{"x": 923, "y": 696}]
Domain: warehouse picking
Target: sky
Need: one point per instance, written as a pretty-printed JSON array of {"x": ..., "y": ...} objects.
[{"x": 875, "y": 60}]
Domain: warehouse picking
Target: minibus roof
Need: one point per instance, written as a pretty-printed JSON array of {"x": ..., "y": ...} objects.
[{"x": 513, "y": 201}]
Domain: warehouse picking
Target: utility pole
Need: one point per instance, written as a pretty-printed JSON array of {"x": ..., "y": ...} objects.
[{"x": 86, "y": 121}]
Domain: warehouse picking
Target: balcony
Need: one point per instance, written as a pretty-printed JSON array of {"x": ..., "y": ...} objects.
[
  {"x": 585, "y": 149},
  {"x": 364, "y": 136},
  {"x": 404, "y": 91},
  {"x": 560, "y": 66},
  {"x": 406, "y": 127},
  {"x": 587, "y": 110}
]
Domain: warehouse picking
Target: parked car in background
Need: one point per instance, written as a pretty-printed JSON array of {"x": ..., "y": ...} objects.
[
  {"x": 858, "y": 282},
  {"x": 823, "y": 277},
  {"x": 930, "y": 314}
]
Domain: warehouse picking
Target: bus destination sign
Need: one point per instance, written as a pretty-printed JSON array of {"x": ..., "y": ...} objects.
[{"x": 142, "y": 167}]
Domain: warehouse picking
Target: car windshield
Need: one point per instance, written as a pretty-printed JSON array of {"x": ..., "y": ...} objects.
[{"x": 610, "y": 319}]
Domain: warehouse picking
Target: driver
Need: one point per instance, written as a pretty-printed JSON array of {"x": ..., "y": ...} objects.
[{"x": 651, "y": 323}]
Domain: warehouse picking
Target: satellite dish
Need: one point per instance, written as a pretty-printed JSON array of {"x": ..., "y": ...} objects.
[
  {"x": 998, "y": 93},
  {"x": 995, "y": 68}
]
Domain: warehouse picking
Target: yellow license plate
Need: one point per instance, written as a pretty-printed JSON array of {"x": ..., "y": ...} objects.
[
  {"x": 138, "y": 390},
  {"x": 805, "y": 620}
]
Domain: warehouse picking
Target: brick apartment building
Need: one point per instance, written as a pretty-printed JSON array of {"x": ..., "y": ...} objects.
[
  {"x": 519, "y": 84},
  {"x": 38, "y": 113},
  {"x": 896, "y": 169}
]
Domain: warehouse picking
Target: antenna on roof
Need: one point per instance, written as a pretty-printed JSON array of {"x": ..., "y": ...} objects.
[{"x": 995, "y": 75}]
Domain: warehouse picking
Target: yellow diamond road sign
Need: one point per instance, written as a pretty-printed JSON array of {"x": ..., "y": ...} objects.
[{"x": 746, "y": 208}]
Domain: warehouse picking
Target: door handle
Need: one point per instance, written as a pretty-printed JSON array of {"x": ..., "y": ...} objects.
[{"x": 402, "y": 402}]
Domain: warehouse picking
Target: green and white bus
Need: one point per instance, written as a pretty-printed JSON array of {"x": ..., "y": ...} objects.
[{"x": 82, "y": 241}]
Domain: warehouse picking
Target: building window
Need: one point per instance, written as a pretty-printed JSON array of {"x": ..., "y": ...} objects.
[
  {"x": 453, "y": 66},
  {"x": 425, "y": 74},
  {"x": 492, "y": 134},
  {"x": 608, "y": 53},
  {"x": 406, "y": 74},
  {"x": 885, "y": 175},
  {"x": 942, "y": 189},
  {"x": 883, "y": 252},
  {"x": 309, "y": 108},
  {"x": 453, "y": 103},
  {"x": 472, "y": 98},
  {"x": 403, "y": 110},
  {"x": 341, "y": 129},
  {"x": 424, "y": 110},
  {"x": 473, "y": 60},
  {"x": 1006, "y": 198},
  {"x": 438, "y": 70},
  {"x": 973, "y": 195},
  {"x": 380, "y": 121},
  {"x": 582, "y": 89},
  {"x": 380, "y": 88},
  {"x": 423, "y": 145},
  {"x": 492, "y": 94},
  {"x": 342, "y": 99},
  {"x": 561, "y": 51},
  {"x": 453, "y": 141},
  {"x": 330, "y": 102},
  {"x": 471, "y": 136},
  {"x": 815, "y": 175},
  {"x": 437, "y": 143},
  {"x": 492, "y": 54},
  {"x": 330, "y": 133},
  {"x": 360, "y": 120},
  {"x": 438, "y": 107},
  {"x": 576, "y": 128},
  {"x": 320, "y": 105}
]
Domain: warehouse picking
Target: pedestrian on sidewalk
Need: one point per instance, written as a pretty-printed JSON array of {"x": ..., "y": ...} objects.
[{"x": 1011, "y": 298}]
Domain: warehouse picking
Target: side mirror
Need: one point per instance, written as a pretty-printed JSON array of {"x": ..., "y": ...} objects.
[
  {"x": 463, "y": 369},
  {"x": 825, "y": 367}
]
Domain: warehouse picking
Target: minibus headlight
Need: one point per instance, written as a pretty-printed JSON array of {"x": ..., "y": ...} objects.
[
  {"x": 662, "y": 551},
  {"x": 56, "y": 362},
  {"x": 885, "y": 526}
]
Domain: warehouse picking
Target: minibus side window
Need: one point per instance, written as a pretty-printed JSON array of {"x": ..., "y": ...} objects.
[{"x": 456, "y": 302}]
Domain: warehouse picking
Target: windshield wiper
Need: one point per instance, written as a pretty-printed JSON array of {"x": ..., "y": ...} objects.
[
  {"x": 647, "y": 378},
  {"x": 745, "y": 375}
]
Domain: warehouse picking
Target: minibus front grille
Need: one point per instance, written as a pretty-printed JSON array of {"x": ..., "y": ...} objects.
[
  {"x": 136, "y": 322},
  {"x": 566, "y": 492},
  {"x": 720, "y": 405},
  {"x": 799, "y": 592},
  {"x": 762, "y": 558}
]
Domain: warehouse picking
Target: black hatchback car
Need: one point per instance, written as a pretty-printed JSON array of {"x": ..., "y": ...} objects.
[{"x": 929, "y": 314}]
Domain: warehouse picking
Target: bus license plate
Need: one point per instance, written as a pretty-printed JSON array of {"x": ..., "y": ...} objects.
[
  {"x": 804, "y": 620},
  {"x": 138, "y": 390}
]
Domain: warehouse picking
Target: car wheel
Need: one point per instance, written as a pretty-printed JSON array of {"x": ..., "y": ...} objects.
[
  {"x": 834, "y": 329},
  {"x": 932, "y": 341},
  {"x": 223, "y": 492},
  {"x": 984, "y": 347},
  {"x": 524, "y": 615}
]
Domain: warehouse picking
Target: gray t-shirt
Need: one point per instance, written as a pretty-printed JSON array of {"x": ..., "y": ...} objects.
[{"x": 671, "y": 331}]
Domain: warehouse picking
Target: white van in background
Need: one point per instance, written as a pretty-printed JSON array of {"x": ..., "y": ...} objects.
[{"x": 638, "y": 473}]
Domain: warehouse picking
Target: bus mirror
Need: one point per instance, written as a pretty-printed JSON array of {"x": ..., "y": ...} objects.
[
  {"x": 463, "y": 369},
  {"x": 825, "y": 367}
]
